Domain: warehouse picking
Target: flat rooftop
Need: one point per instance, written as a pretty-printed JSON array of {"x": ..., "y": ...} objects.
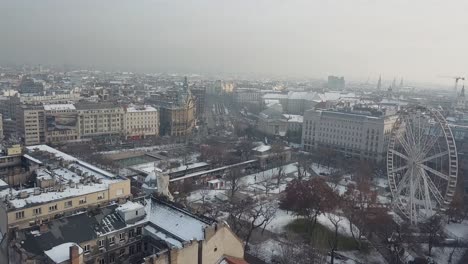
[{"x": 72, "y": 177}]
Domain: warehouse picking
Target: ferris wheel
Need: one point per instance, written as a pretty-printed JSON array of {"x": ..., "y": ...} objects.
[{"x": 422, "y": 163}]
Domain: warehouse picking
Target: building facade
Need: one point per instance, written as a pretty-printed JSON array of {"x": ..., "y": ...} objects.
[
  {"x": 141, "y": 122},
  {"x": 352, "y": 134},
  {"x": 199, "y": 94},
  {"x": 48, "y": 184},
  {"x": 178, "y": 117},
  {"x": 30, "y": 123},
  {"x": 99, "y": 120},
  {"x": 150, "y": 231}
]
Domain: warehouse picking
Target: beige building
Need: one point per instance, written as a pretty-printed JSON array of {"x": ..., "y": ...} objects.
[
  {"x": 100, "y": 120},
  {"x": 178, "y": 117},
  {"x": 150, "y": 231},
  {"x": 61, "y": 123},
  {"x": 50, "y": 184},
  {"x": 30, "y": 123},
  {"x": 57, "y": 123},
  {"x": 354, "y": 134},
  {"x": 141, "y": 122}
]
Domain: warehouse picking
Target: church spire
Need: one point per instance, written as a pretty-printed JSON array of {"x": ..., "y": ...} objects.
[
  {"x": 379, "y": 83},
  {"x": 185, "y": 84}
]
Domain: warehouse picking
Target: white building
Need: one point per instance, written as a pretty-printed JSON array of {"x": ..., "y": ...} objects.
[
  {"x": 141, "y": 121},
  {"x": 297, "y": 102},
  {"x": 354, "y": 134}
]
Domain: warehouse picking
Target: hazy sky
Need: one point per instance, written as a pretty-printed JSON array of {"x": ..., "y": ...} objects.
[{"x": 416, "y": 39}]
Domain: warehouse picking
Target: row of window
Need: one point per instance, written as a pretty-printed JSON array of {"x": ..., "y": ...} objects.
[
  {"x": 111, "y": 239},
  {"x": 52, "y": 208}
]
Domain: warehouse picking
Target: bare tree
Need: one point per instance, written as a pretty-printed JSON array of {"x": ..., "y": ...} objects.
[
  {"x": 456, "y": 208},
  {"x": 433, "y": 228},
  {"x": 359, "y": 198},
  {"x": 234, "y": 179},
  {"x": 203, "y": 193},
  {"x": 335, "y": 220},
  {"x": 244, "y": 147},
  {"x": 278, "y": 158},
  {"x": 303, "y": 165},
  {"x": 259, "y": 216}
]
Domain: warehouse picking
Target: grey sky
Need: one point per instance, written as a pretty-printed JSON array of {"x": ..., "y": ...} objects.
[{"x": 417, "y": 39}]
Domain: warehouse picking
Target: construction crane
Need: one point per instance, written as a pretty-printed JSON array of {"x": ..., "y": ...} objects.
[{"x": 457, "y": 78}]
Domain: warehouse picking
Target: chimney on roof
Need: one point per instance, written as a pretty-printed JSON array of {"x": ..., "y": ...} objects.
[
  {"x": 43, "y": 228},
  {"x": 74, "y": 254}
]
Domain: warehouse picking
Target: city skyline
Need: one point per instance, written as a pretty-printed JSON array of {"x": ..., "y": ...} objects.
[{"x": 299, "y": 39}]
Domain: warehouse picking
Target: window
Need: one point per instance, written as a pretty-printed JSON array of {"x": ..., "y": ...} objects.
[
  {"x": 138, "y": 231},
  {"x": 122, "y": 236},
  {"x": 131, "y": 250},
  {"x": 86, "y": 248},
  {"x": 68, "y": 204},
  {"x": 136, "y": 212},
  {"x": 119, "y": 192},
  {"x": 82, "y": 200},
  {"x": 101, "y": 261},
  {"x": 37, "y": 211},
  {"x": 111, "y": 240},
  {"x": 19, "y": 215},
  {"x": 131, "y": 233},
  {"x": 101, "y": 243},
  {"x": 52, "y": 208},
  {"x": 112, "y": 258},
  {"x": 100, "y": 196},
  {"x": 138, "y": 247},
  {"x": 122, "y": 252}
]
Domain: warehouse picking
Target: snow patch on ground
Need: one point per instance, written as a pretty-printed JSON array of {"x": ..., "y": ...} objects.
[
  {"x": 458, "y": 230},
  {"x": 266, "y": 250},
  {"x": 210, "y": 195},
  {"x": 355, "y": 256},
  {"x": 280, "y": 221}
]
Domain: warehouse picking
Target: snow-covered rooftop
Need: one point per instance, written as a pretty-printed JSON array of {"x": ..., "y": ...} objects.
[
  {"x": 59, "y": 107},
  {"x": 177, "y": 222},
  {"x": 262, "y": 148},
  {"x": 130, "y": 206},
  {"x": 294, "y": 118},
  {"x": 67, "y": 178},
  {"x": 145, "y": 108},
  {"x": 159, "y": 235},
  {"x": 61, "y": 253}
]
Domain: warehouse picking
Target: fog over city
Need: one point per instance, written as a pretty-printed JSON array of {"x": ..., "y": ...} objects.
[{"x": 419, "y": 40}]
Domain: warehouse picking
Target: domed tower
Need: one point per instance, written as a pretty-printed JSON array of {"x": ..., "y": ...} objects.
[{"x": 157, "y": 182}]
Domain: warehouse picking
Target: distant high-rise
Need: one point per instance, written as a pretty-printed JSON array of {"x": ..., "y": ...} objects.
[
  {"x": 379, "y": 83},
  {"x": 401, "y": 83},
  {"x": 461, "y": 101},
  {"x": 336, "y": 83}
]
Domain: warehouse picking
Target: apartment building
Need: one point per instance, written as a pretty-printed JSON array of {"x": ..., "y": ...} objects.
[
  {"x": 99, "y": 120},
  {"x": 57, "y": 123},
  {"x": 53, "y": 185},
  {"x": 355, "y": 134},
  {"x": 61, "y": 123},
  {"x": 178, "y": 120},
  {"x": 150, "y": 231},
  {"x": 30, "y": 122},
  {"x": 141, "y": 122}
]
